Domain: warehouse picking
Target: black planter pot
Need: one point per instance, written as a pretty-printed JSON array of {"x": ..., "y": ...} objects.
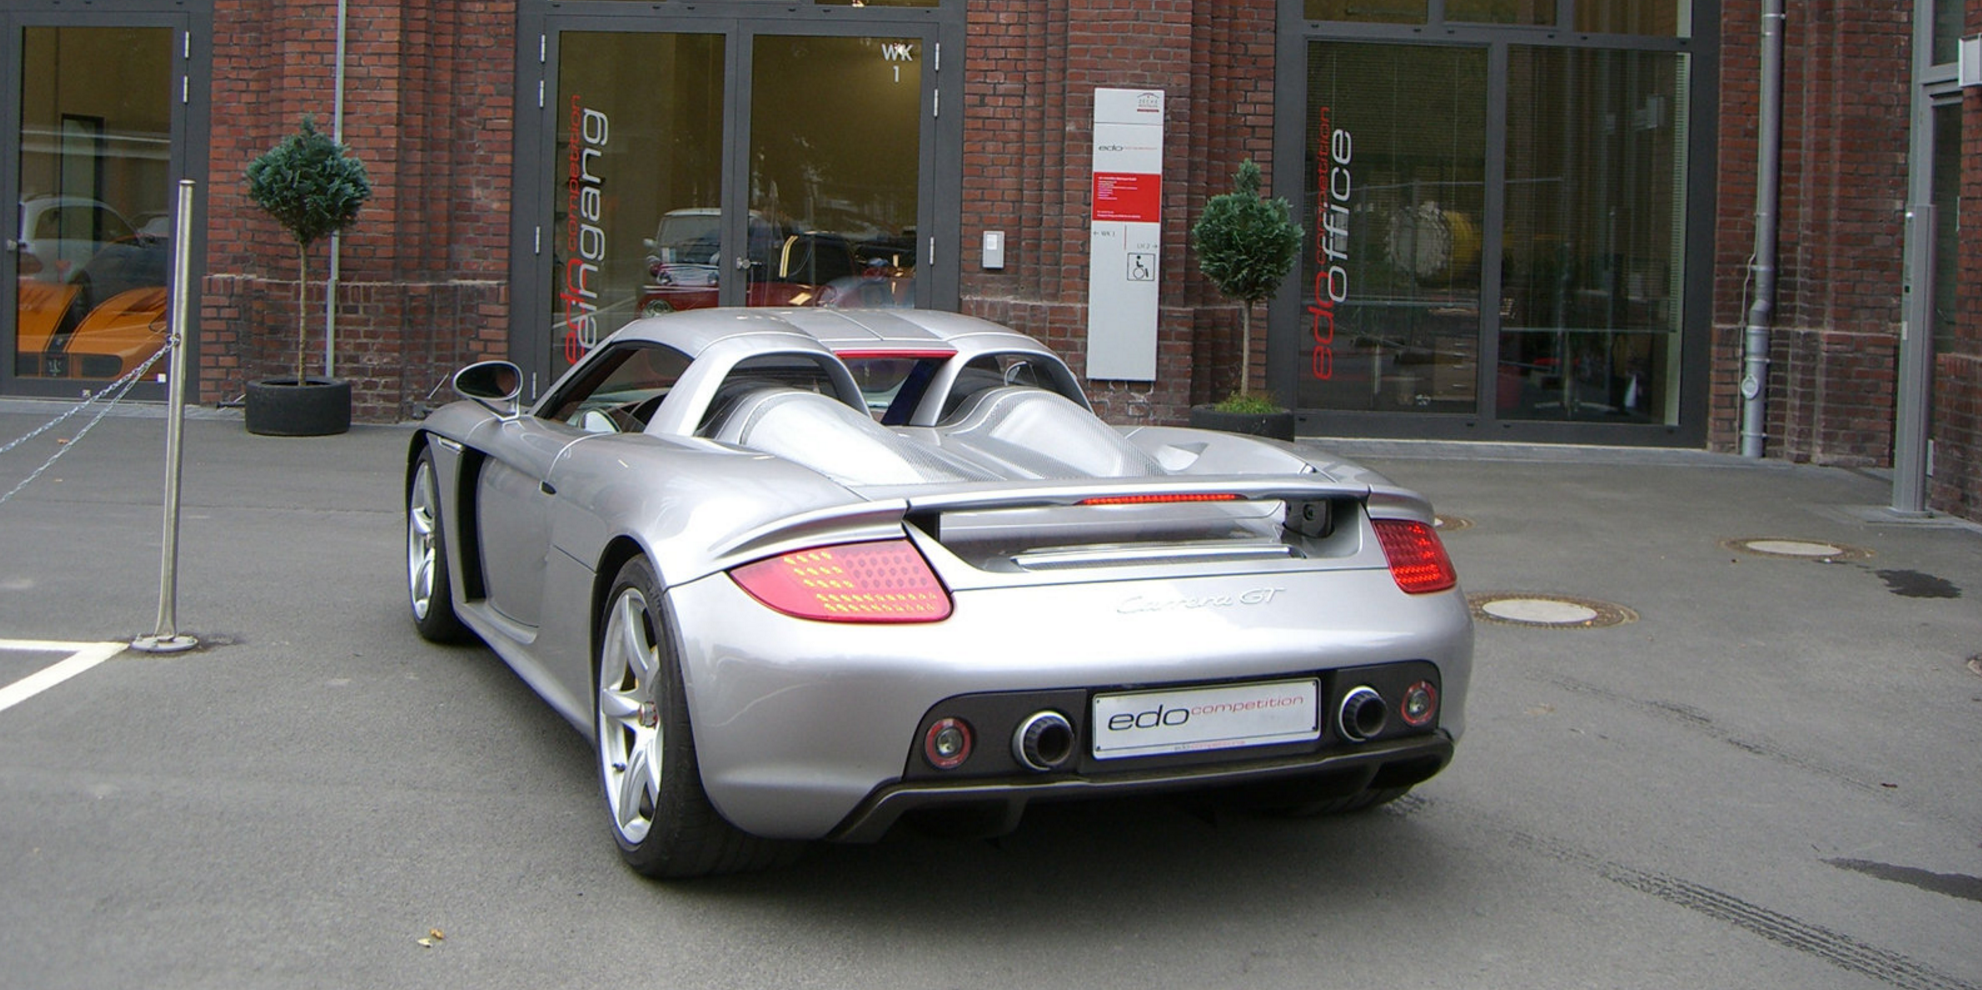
[
  {"x": 1278, "y": 424},
  {"x": 278, "y": 407}
]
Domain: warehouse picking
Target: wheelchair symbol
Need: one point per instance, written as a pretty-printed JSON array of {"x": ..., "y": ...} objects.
[{"x": 1142, "y": 268}]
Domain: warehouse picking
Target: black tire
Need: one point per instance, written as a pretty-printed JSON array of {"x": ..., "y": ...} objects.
[
  {"x": 429, "y": 588},
  {"x": 659, "y": 814}
]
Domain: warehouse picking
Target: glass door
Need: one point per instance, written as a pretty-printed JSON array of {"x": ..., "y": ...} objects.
[
  {"x": 637, "y": 181},
  {"x": 734, "y": 162},
  {"x": 1396, "y": 211},
  {"x": 834, "y": 170},
  {"x": 94, "y": 111}
]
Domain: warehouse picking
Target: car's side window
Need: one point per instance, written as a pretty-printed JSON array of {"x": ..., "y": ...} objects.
[
  {"x": 988, "y": 371},
  {"x": 620, "y": 390},
  {"x": 802, "y": 371}
]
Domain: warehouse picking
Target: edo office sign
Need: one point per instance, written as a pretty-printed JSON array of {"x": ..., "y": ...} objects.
[{"x": 1498, "y": 231}]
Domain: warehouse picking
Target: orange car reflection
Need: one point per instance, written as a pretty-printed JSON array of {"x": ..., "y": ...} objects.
[{"x": 57, "y": 339}]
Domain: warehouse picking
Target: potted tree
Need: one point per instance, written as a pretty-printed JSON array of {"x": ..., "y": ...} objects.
[
  {"x": 312, "y": 186},
  {"x": 1246, "y": 244}
]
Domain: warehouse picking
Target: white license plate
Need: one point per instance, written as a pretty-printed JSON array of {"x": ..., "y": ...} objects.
[{"x": 1148, "y": 723}]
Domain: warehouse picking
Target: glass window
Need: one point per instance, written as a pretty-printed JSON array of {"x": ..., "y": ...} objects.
[
  {"x": 1664, "y": 18},
  {"x": 1394, "y": 202},
  {"x": 96, "y": 106},
  {"x": 637, "y": 180},
  {"x": 1367, "y": 11},
  {"x": 1501, "y": 11},
  {"x": 1590, "y": 308},
  {"x": 1950, "y": 19},
  {"x": 1947, "y": 223},
  {"x": 621, "y": 391}
]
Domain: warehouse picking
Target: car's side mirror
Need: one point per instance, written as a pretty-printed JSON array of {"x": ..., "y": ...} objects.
[{"x": 493, "y": 385}]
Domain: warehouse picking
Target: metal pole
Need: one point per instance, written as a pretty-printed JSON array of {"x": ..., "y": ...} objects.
[
  {"x": 1768, "y": 186},
  {"x": 166, "y": 638},
  {"x": 336, "y": 237},
  {"x": 1914, "y": 376}
]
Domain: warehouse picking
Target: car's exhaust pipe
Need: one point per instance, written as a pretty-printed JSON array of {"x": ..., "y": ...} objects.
[
  {"x": 1043, "y": 742},
  {"x": 1362, "y": 714}
]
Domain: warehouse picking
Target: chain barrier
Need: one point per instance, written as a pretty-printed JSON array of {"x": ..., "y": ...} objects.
[{"x": 115, "y": 391}]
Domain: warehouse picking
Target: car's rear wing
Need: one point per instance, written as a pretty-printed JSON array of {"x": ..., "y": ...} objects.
[{"x": 1313, "y": 505}]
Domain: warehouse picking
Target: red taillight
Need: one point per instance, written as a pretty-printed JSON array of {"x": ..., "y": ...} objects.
[
  {"x": 1158, "y": 499},
  {"x": 854, "y": 582},
  {"x": 1417, "y": 558}
]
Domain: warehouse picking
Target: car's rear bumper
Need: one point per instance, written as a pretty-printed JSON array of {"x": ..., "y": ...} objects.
[
  {"x": 995, "y": 806},
  {"x": 805, "y": 730}
]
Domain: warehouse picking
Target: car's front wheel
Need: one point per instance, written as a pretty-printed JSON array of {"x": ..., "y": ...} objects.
[
  {"x": 660, "y": 815},
  {"x": 428, "y": 589}
]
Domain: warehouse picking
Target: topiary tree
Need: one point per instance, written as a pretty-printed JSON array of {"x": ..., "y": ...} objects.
[
  {"x": 1246, "y": 244},
  {"x": 312, "y": 186}
]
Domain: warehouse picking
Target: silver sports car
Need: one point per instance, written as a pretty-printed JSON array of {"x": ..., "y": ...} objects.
[{"x": 805, "y": 574}]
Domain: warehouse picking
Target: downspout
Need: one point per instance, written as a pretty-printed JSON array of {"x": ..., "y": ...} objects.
[
  {"x": 336, "y": 237},
  {"x": 1768, "y": 195}
]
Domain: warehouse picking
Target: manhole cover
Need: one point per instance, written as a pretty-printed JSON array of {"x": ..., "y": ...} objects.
[
  {"x": 1548, "y": 611},
  {"x": 1451, "y": 524},
  {"x": 1796, "y": 549}
]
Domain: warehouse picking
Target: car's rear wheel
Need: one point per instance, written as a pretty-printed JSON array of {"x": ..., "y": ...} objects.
[
  {"x": 428, "y": 588},
  {"x": 661, "y": 817}
]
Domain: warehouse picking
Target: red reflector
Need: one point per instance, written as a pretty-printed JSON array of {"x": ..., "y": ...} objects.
[
  {"x": 854, "y": 582},
  {"x": 1158, "y": 499},
  {"x": 1417, "y": 558}
]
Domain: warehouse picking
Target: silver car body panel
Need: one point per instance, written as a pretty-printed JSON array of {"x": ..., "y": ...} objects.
[{"x": 798, "y": 722}]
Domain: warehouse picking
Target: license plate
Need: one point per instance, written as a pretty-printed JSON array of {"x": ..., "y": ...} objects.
[{"x": 1232, "y": 716}]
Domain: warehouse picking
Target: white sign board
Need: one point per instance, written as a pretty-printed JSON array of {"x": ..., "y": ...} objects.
[{"x": 1125, "y": 230}]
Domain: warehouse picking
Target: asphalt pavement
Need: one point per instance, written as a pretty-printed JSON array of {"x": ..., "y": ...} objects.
[{"x": 1725, "y": 729}]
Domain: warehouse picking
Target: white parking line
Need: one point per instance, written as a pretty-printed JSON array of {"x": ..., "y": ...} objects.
[{"x": 81, "y": 657}]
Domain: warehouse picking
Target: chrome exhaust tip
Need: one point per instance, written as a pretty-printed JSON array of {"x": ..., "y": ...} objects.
[
  {"x": 1043, "y": 742},
  {"x": 1362, "y": 714}
]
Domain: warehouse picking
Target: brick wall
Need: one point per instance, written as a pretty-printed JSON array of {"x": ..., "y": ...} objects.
[
  {"x": 424, "y": 270},
  {"x": 1841, "y": 219},
  {"x": 1029, "y": 87}
]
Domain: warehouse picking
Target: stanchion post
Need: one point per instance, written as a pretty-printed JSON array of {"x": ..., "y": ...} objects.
[{"x": 167, "y": 638}]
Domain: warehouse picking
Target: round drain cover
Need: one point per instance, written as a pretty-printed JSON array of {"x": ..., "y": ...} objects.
[
  {"x": 1540, "y": 610},
  {"x": 1799, "y": 549},
  {"x": 1548, "y": 611}
]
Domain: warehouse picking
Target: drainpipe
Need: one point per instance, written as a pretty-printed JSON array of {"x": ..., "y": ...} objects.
[
  {"x": 336, "y": 237},
  {"x": 1768, "y": 194}
]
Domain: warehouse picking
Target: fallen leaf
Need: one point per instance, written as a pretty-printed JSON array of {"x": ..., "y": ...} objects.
[
  {"x": 436, "y": 934},
  {"x": 425, "y": 943}
]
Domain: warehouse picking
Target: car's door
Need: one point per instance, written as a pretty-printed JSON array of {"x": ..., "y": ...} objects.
[
  {"x": 512, "y": 513},
  {"x": 615, "y": 390}
]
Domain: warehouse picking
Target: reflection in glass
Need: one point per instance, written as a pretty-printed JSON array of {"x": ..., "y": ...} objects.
[
  {"x": 1367, "y": 11},
  {"x": 1394, "y": 198},
  {"x": 95, "y": 145},
  {"x": 637, "y": 179},
  {"x": 1501, "y": 11},
  {"x": 1590, "y": 311},
  {"x": 835, "y": 161},
  {"x": 1947, "y": 223},
  {"x": 1661, "y": 18},
  {"x": 1950, "y": 16}
]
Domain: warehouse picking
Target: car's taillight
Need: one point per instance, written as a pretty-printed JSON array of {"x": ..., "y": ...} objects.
[
  {"x": 1159, "y": 499},
  {"x": 887, "y": 581},
  {"x": 1417, "y": 558}
]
